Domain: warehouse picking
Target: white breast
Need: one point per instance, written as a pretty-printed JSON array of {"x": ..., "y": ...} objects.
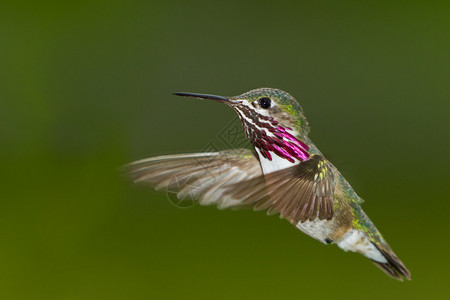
[{"x": 277, "y": 163}]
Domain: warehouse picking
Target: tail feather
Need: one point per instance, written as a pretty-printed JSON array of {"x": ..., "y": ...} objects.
[{"x": 394, "y": 266}]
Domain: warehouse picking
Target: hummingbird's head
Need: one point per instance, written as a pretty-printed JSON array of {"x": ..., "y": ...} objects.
[
  {"x": 273, "y": 120},
  {"x": 274, "y": 104}
]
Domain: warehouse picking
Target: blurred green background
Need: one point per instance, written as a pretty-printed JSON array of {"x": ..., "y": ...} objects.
[{"x": 85, "y": 86}]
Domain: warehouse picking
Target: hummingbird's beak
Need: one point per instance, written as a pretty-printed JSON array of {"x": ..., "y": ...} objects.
[{"x": 205, "y": 96}]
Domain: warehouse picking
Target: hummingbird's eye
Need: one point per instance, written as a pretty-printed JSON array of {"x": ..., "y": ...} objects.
[{"x": 265, "y": 102}]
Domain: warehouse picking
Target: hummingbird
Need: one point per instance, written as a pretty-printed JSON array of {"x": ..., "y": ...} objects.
[{"x": 286, "y": 174}]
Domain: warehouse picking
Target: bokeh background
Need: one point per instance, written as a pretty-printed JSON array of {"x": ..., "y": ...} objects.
[{"x": 85, "y": 86}]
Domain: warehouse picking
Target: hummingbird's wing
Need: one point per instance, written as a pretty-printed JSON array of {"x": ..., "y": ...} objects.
[
  {"x": 299, "y": 193},
  {"x": 198, "y": 176},
  {"x": 234, "y": 178}
]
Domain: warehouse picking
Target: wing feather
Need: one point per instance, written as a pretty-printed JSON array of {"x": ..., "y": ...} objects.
[
  {"x": 234, "y": 178},
  {"x": 299, "y": 193},
  {"x": 199, "y": 176}
]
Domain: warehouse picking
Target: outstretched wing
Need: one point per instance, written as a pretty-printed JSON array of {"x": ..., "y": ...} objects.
[
  {"x": 234, "y": 178},
  {"x": 299, "y": 193},
  {"x": 198, "y": 176}
]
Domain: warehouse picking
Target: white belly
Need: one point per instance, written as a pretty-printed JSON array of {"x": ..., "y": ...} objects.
[{"x": 318, "y": 229}]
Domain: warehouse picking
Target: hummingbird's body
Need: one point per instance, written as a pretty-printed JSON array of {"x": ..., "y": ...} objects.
[{"x": 288, "y": 175}]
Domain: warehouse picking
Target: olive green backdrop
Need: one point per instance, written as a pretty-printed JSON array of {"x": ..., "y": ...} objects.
[{"x": 85, "y": 86}]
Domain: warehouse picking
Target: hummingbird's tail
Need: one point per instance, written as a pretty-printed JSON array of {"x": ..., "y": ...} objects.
[
  {"x": 394, "y": 267},
  {"x": 371, "y": 244}
]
